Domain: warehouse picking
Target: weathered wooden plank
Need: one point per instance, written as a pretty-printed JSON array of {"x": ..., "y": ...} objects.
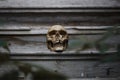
[
  {"x": 44, "y": 53},
  {"x": 62, "y": 54},
  {"x": 80, "y": 69},
  {"x": 37, "y": 19},
  {"x": 22, "y": 27},
  {"x": 58, "y": 3},
  {"x": 59, "y": 57},
  {"x": 54, "y": 58},
  {"x": 58, "y": 10},
  {"x": 42, "y": 38},
  {"x": 35, "y": 50},
  {"x": 37, "y": 44},
  {"x": 14, "y": 28},
  {"x": 94, "y": 79},
  {"x": 42, "y": 30}
]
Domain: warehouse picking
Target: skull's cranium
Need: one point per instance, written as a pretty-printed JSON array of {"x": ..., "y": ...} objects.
[{"x": 57, "y": 38}]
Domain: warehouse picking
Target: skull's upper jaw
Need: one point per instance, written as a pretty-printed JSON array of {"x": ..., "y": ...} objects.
[{"x": 57, "y": 47}]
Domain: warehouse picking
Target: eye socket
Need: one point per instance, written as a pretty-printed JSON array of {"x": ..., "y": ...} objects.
[
  {"x": 52, "y": 32},
  {"x": 63, "y": 32}
]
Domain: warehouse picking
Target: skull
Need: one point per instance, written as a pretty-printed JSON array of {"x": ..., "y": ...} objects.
[{"x": 57, "y": 38}]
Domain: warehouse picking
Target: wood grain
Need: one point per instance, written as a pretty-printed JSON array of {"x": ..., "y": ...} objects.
[{"x": 59, "y": 3}]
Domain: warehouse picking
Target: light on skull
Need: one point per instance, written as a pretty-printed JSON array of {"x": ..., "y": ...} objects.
[{"x": 57, "y": 38}]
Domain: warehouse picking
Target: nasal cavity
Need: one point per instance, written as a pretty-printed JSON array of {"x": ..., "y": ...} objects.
[{"x": 57, "y": 36}]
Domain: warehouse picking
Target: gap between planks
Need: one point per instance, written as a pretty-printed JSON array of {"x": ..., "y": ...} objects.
[{"x": 59, "y": 10}]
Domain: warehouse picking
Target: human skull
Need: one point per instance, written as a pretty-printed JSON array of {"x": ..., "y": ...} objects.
[{"x": 57, "y": 38}]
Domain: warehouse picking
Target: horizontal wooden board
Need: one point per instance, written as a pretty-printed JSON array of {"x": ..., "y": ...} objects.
[
  {"x": 13, "y": 28},
  {"x": 42, "y": 30},
  {"x": 36, "y": 35},
  {"x": 19, "y": 28},
  {"x": 37, "y": 44},
  {"x": 94, "y": 79},
  {"x": 59, "y": 10},
  {"x": 60, "y": 56},
  {"x": 80, "y": 69},
  {"x": 58, "y": 3},
  {"x": 72, "y": 19}
]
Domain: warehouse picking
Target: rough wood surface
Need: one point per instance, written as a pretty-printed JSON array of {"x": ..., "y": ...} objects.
[
  {"x": 59, "y": 56},
  {"x": 37, "y": 44},
  {"x": 21, "y": 47},
  {"x": 72, "y": 19},
  {"x": 57, "y": 10},
  {"x": 95, "y": 79},
  {"x": 9, "y": 70},
  {"x": 42, "y": 30},
  {"x": 85, "y": 20},
  {"x": 81, "y": 69},
  {"x": 58, "y": 3}
]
